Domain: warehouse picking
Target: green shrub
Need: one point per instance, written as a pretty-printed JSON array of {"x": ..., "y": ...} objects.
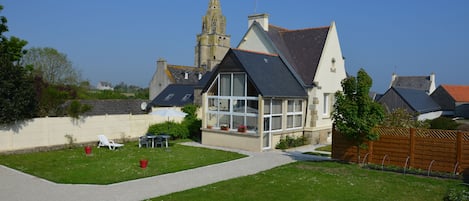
[
  {"x": 444, "y": 123},
  {"x": 457, "y": 194},
  {"x": 289, "y": 142},
  {"x": 175, "y": 130},
  {"x": 191, "y": 121}
]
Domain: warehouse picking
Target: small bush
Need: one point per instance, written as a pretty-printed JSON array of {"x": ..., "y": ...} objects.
[
  {"x": 457, "y": 194},
  {"x": 289, "y": 142},
  {"x": 444, "y": 123},
  {"x": 175, "y": 130}
]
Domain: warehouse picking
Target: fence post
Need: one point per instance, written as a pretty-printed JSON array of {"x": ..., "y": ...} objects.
[
  {"x": 411, "y": 146},
  {"x": 459, "y": 149}
]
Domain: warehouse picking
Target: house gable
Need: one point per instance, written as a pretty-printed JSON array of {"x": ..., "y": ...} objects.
[
  {"x": 459, "y": 93},
  {"x": 268, "y": 73},
  {"x": 412, "y": 100}
]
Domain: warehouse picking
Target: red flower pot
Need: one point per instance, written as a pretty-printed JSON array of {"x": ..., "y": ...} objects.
[
  {"x": 143, "y": 163},
  {"x": 88, "y": 150},
  {"x": 242, "y": 129}
]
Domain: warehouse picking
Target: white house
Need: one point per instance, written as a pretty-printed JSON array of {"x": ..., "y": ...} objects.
[{"x": 289, "y": 78}]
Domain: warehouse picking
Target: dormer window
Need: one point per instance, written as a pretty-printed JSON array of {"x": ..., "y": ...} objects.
[
  {"x": 186, "y": 97},
  {"x": 168, "y": 97},
  {"x": 186, "y": 75},
  {"x": 200, "y": 76}
]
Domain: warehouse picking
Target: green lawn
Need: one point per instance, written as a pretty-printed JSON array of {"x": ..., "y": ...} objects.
[
  {"x": 322, "y": 181},
  {"x": 327, "y": 148},
  {"x": 106, "y": 166}
]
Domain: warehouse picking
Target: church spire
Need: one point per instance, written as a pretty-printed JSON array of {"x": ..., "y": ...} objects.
[
  {"x": 213, "y": 43},
  {"x": 214, "y": 4}
]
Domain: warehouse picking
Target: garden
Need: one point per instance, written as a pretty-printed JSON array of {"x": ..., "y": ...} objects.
[
  {"x": 104, "y": 166},
  {"x": 327, "y": 181}
]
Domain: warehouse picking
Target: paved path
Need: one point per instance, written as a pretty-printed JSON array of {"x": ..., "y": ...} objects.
[{"x": 17, "y": 186}]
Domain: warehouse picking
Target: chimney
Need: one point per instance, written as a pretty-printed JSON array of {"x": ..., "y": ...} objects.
[
  {"x": 262, "y": 19},
  {"x": 161, "y": 63},
  {"x": 393, "y": 78}
]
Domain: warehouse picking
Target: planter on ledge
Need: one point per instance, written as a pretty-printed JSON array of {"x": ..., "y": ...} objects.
[
  {"x": 242, "y": 129},
  {"x": 224, "y": 127}
]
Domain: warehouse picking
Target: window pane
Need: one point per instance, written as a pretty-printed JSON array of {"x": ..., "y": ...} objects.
[
  {"x": 276, "y": 123},
  {"x": 266, "y": 124},
  {"x": 224, "y": 119},
  {"x": 290, "y": 121},
  {"x": 276, "y": 107},
  {"x": 225, "y": 82},
  {"x": 238, "y": 85},
  {"x": 212, "y": 120},
  {"x": 253, "y": 107},
  {"x": 239, "y": 106},
  {"x": 212, "y": 104},
  {"x": 290, "y": 105},
  {"x": 298, "y": 121},
  {"x": 252, "y": 90},
  {"x": 224, "y": 105},
  {"x": 267, "y": 107},
  {"x": 214, "y": 89},
  {"x": 238, "y": 121},
  {"x": 251, "y": 123},
  {"x": 298, "y": 106},
  {"x": 326, "y": 104}
]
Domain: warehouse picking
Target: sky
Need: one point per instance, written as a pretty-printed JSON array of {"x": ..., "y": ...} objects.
[{"x": 120, "y": 41}]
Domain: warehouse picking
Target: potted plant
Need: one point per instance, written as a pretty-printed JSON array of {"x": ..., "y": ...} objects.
[
  {"x": 143, "y": 163},
  {"x": 88, "y": 150},
  {"x": 209, "y": 126},
  {"x": 224, "y": 127},
  {"x": 242, "y": 128}
]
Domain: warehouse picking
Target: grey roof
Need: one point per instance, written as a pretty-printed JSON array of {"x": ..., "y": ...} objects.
[
  {"x": 418, "y": 100},
  {"x": 121, "y": 106},
  {"x": 176, "y": 95},
  {"x": 177, "y": 74},
  {"x": 301, "y": 48},
  {"x": 268, "y": 73},
  {"x": 413, "y": 82}
]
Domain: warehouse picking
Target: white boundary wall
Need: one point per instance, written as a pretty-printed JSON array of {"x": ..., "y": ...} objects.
[{"x": 51, "y": 131}]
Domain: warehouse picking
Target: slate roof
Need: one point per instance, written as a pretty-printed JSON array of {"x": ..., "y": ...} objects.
[
  {"x": 268, "y": 73},
  {"x": 177, "y": 73},
  {"x": 301, "y": 48},
  {"x": 412, "y": 82},
  {"x": 121, "y": 106},
  {"x": 176, "y": 95},
  {"x": 417, "y": 99},
  {"x": 459, "y": 93}
]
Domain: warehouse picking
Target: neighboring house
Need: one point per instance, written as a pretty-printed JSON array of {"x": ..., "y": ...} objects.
[
  {"x": 211, "y": 46},
  {"x": 414, "y": 101},
  {"x": 104, "y": 86},
  {"x": 453, "y": 100},
  {"x": 173, "y": 74},
  {"x": 175, "y": 95},
  {"x": 114, "y": 107},
  {"x": 278, "y": 82},
  {"x": 425, "y": 83}
]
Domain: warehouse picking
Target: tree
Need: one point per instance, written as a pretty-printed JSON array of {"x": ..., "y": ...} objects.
[
  {"x": 52, "y": 65},
  {"x": 17, "y": 94},
  {"x": 355, "y": 113}
]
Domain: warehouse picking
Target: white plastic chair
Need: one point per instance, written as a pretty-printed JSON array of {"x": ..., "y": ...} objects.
[{"x": 103, "y": 141}]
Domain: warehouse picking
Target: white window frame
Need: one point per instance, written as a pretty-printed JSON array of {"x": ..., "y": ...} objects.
[
  {"x": 294, "y": 113},
  {"x": 231, "y": 99}
]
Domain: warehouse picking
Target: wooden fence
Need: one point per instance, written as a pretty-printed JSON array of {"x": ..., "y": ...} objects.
[{"x": 437, "y": 150}]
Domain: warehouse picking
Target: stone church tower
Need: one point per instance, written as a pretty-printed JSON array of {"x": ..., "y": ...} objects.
[{"x": 212, "y": 43}]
